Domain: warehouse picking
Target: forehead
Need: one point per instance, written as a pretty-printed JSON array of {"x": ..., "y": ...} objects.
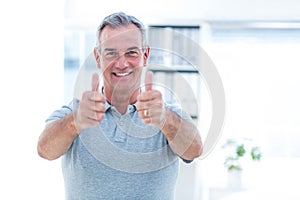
[{"x": 121, "y": 37}]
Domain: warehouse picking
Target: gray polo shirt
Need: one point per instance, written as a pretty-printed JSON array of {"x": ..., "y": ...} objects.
[{"x": 121, "y": 158}]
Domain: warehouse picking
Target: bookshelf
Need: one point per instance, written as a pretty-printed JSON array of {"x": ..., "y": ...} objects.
[{"x": 172, "y": 59}]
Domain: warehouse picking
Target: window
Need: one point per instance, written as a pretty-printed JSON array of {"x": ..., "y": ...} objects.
[
  {"x": 258, "y": 65},
  {"x": 78, "y": 45}
]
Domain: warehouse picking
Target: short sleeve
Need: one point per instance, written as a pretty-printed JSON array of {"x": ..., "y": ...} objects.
[
  {"x": 60, "y": 113},
  {"x": 177, "y": 109}
]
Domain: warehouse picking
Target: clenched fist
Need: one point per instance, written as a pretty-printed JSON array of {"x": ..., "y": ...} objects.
[
  {"x": 150, "y": 104},
  {"x": 91, "y": 107}
]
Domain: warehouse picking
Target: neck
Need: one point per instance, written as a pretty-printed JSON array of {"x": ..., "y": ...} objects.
[{"x": 121, "y": 99}]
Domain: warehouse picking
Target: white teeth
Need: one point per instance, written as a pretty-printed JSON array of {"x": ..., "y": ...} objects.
[{"x": 122, "y": 74}]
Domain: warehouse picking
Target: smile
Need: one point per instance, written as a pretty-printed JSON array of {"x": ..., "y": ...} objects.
[{"x": 121, "y": 74}]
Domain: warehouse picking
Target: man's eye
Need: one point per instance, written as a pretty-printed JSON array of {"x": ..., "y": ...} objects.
[
  {"x": 132, "y": 53},
  {"x": 111, "y": 54}
]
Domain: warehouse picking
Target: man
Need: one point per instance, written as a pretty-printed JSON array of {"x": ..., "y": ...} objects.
[{"x": 120, "y": 142}]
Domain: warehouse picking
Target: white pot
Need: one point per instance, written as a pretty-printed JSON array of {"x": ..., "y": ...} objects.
[{"x": 235, "y": 179}]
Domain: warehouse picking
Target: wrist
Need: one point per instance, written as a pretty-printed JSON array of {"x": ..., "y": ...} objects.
[
  {"x": 73, "y": 129},
  {"x": 170, "y": 125}
]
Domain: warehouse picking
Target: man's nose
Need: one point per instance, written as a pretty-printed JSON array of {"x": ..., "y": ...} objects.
[{"x": 121, "y": 61}]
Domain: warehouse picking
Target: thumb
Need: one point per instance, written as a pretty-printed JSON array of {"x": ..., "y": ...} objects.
[
  {"x": 149, "y": 80},
  {"x": 95, "y": 82}
]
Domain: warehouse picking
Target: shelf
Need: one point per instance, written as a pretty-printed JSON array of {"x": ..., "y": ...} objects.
[{"x": 173, "y": 69}]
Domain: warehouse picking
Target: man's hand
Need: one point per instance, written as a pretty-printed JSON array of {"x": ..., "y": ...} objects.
[
  {"x": 150, "y": 104},
  {"x": 91, "y": 107}
]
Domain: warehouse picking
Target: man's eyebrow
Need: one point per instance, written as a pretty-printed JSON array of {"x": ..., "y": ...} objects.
[
  {"x": 113, "y": 49},
  {"x": 109, "y": 49},
  {"x": 132, "y": 48}
]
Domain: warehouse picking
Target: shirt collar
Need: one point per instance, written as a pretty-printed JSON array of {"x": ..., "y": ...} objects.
[{"x": 108, "y": 106}]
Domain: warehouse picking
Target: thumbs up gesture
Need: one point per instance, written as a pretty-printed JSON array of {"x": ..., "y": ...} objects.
[
  {"x": 150, "y": 104},
  {"x": 91, "y": 107}
]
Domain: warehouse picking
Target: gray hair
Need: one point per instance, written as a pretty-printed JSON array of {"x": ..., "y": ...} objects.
[{"x": 120, "y": 19}]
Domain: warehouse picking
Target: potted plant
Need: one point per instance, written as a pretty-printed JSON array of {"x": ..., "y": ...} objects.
[{"x": 237, "y": 150}]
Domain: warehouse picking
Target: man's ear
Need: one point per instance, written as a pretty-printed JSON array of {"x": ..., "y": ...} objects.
[
  {"x": 146, "y": 55},
  {"x": 97, "y": 57}
]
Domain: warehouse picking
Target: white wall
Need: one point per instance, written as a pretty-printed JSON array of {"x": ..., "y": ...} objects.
[
  {"x": 187, "y": 9},
  {"x": 31, "y": 85},
  {"x": 250, "y": 10}
]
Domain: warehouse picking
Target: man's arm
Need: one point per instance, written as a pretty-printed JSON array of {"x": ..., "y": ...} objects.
[
  {"x": 57, "y": 137},
  {"x": 183, "y": 136}
]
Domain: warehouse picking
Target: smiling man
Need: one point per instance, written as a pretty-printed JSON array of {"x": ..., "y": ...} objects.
[
  {"x": 120, "y": 142},
  {"x": 121, "y": 55}
]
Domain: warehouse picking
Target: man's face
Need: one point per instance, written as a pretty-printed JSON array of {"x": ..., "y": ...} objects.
[{"x": 121, "y": 58}]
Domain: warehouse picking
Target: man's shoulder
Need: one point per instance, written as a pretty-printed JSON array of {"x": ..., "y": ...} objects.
[{"x": 61, "y": 112}]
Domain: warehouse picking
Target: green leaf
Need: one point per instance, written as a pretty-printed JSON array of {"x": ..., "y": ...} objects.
[
  {"x": 240, "y": 151},
  {"x": 234, "y": 167},
  {"x": 255, "y": 153}
]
